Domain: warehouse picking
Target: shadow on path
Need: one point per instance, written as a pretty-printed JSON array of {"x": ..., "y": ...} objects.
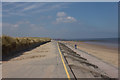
[{"x": 20, "y": 52}]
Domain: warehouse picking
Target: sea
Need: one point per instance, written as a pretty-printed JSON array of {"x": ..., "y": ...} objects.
[{"x": 109, "y": 42}]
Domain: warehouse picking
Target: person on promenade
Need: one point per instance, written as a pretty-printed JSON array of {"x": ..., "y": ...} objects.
[{"x": 75, "y": 46}]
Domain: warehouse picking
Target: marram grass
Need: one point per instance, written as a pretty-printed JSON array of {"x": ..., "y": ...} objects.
[{"x": 10, "y": 45}]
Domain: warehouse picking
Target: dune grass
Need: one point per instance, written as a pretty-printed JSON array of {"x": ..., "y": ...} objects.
[{"x": 10, "y": 45}]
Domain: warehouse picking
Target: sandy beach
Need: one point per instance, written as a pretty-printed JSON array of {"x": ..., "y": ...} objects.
[{"x": 107, "y": 54}]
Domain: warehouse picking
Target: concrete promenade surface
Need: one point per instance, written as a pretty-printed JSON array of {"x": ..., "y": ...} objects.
[
  {"x": 47, "y": 61},
  {"x": 41, "y": 62}
]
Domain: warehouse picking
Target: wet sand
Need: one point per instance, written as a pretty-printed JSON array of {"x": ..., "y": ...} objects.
[{"x": 107, "y": 54}]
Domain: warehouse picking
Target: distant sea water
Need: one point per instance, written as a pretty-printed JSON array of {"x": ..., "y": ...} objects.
[{"x": 109, "y": 42}]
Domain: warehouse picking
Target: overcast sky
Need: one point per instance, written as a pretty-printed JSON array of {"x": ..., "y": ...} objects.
[{"x": 60, "y": 20}]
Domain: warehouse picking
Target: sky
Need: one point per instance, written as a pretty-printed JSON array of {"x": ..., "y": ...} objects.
[{"x": 63, "y": 20}]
